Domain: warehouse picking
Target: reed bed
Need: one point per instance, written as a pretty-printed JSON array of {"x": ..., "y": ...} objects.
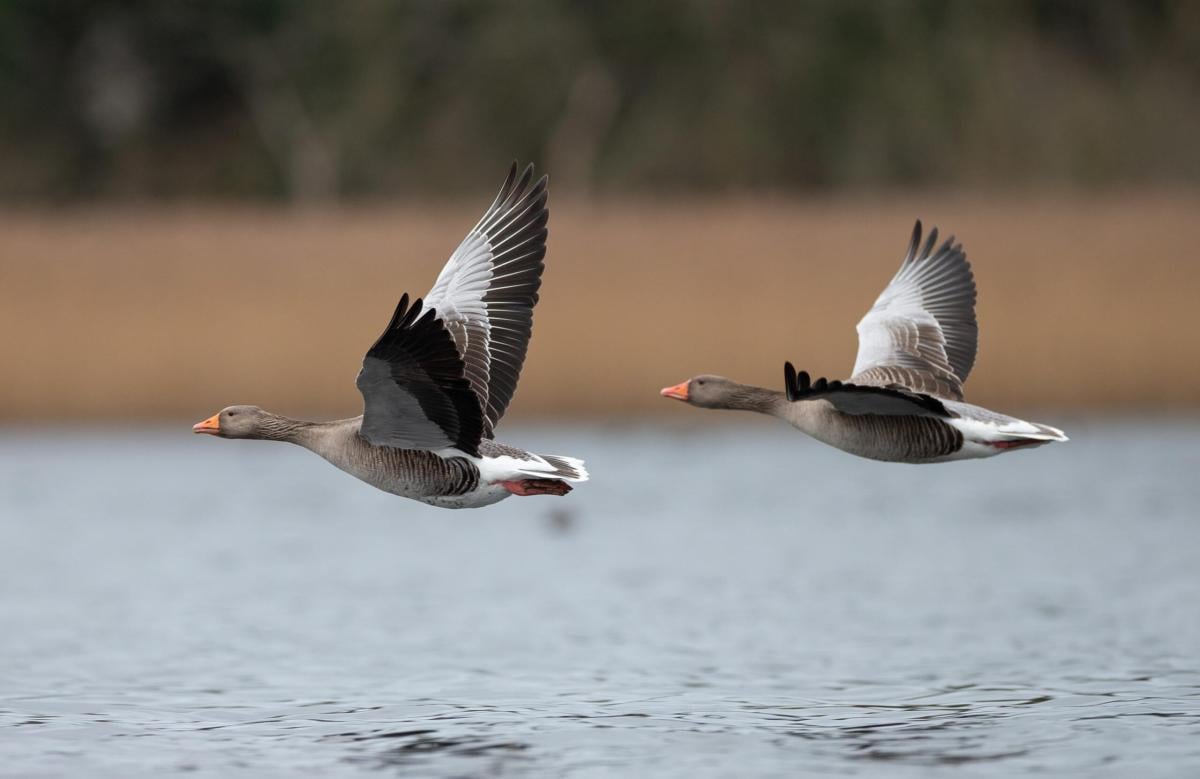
[{"x": 151, "y": 314}]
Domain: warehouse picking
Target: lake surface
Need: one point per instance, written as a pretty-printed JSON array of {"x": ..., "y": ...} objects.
[{"x": 724, "y": 602}]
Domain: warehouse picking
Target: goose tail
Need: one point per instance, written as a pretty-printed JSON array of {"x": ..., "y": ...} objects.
[
  {"x": 1047, "y": 433},
  {"x": 1000, "y": 433},
  {"x": 503, "y": 464},
  {"x": 1020, "y": 430},
  {"x": 559, "y": 467}
]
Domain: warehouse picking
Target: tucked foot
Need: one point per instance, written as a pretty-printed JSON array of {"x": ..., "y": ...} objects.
[{"x": 536, "y": 487}]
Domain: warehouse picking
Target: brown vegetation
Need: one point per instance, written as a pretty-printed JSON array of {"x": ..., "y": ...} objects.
[{"x": 1084, "y": 302}]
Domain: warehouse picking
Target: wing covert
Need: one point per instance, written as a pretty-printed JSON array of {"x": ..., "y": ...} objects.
[
  {"x": 415, "y": 394},
  {"x": 852, "y": 398}
]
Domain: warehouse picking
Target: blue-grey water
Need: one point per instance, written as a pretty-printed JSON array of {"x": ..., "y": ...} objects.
[{"x": 724, "y": 602}]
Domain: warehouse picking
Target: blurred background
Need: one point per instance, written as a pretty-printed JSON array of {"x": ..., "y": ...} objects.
[
  {"x": 212, "y": 203},
  {"x": 204, "y": 204}
]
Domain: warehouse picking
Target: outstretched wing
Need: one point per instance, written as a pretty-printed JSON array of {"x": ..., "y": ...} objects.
[
  {"x": 414, "y": 393},
  {"x": 851, "y": 398},
  {"x": 486, "y": 293},
  {"x": 921, "y": 333}
]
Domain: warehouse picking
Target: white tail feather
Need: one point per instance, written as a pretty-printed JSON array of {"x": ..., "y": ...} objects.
[
  {"x": 1017, "y": 430},
  {"x": 1033, "y": 431},
  {"x": 505, "y": 468},
  {"x": 566, "y": 468}
]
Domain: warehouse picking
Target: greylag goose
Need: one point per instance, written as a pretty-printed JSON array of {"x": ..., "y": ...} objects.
[
  {"x": 439, "y": 378},
  {"x": 904, "y": 400}
]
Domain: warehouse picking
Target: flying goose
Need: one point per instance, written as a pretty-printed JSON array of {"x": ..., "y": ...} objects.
[
  {"x": 439, "y": 378},
  {"x": 904, "y": 400}
]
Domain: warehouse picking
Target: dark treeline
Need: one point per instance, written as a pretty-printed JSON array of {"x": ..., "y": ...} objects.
[{"x": 312, "y": 100}]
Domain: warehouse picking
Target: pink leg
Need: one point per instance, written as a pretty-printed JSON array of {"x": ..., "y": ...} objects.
[{"x": 525, "y": 487}]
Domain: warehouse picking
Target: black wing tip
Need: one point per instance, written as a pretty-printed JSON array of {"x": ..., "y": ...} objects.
[
  {"x": 527, "y": 174},
  {"x": 414, "y": 314},
  {"x": 918, "y": 249},
  {"x": 512, "y": 188},
  {"x": 401, "y": 308},
  {"x": 914, "y": 244},
  {"x": 399, "y": 315},
  {"x": 539, "y": 191},
  {"x": 526, "y": 177},
  {"x": 930, "y": 249},
  {"x": 799, "y": 384},
  {"x": 517, "y": 192},
  {"x": 509, "y": 179},
  {"x": 930, "y": 243},
  {"x": 411, "y": 315}
]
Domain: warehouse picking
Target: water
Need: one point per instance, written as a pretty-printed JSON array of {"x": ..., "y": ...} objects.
[{"x": 732, "y": 601}]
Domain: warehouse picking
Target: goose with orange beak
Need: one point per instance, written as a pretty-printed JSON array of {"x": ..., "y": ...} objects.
[
  {"x": 439, "y": 378},
  {"x": 904, "y": 400}
]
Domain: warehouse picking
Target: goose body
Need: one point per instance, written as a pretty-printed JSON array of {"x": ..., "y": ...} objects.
[
  {"x": 441, "y": 375},
  {"x": 972, "y": 432},
  {"x": 904, "y": 400}
]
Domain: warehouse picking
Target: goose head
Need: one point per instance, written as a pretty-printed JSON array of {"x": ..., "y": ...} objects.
[
  {"x": 234, "y": 422},
  {"x": 705, "y": 391}
]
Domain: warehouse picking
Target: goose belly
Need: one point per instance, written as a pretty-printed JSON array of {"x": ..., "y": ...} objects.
[
  {"x": 896, "y": 439},
  {"x": 483, "y": 495},
  {"x": 445, "y": 479}
]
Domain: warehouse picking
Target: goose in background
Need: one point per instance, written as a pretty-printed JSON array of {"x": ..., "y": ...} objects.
[
  {"x": 437, "y": 381},
  {"x": 904, "y": 400}
]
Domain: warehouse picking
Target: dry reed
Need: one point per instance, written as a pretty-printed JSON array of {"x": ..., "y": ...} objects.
[{"x": 1085, "y": 302}]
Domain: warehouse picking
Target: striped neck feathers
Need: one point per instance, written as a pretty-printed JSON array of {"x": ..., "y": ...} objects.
[{"x": 273, "y": 427}]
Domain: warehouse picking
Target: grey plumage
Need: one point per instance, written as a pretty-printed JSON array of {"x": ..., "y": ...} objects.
[
  {"x": 443, "y": 478},
  {"x": 442, "y": 373},
  {"x": 413, "y": 473},
  {"x": 891, "y": 438},
  {"x": 904, "y": 399}
]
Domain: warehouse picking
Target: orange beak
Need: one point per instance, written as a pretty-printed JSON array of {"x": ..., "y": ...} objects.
[
  {"x": 679, "y": 391},
  {"x": 212, "y": 425}
]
